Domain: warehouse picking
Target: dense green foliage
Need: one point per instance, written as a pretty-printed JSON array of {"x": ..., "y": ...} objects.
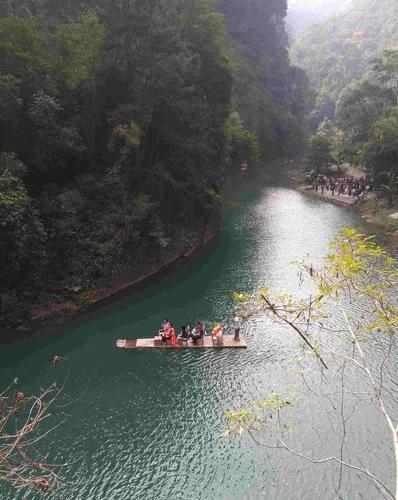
[
  {"x": 319, "y": 152},
  {"x": 381, "y": 152},
  {"x": 352, "y": 61},
  {"x": 365, "y": 129},
  {"x": 360, "y": 105},
  {"x": 337, "y": 51},
  {"x": 119, "y": 122},
  {"x": 271, "y": 96}
]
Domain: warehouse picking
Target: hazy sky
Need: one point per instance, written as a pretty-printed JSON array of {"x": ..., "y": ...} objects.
[{"x": 317, "y": 3}]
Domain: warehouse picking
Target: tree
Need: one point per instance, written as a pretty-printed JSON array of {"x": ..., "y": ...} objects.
[
  {"x": 270, "y": 94},
  {"x": 381, "y": 152},
  {"x": 359, "y": 107},
  {"x": 384, "y": 70},
  {"x": 242, "y": 143},
  {"x": 22, "y": 235},
  {"x": 80, "y": 45},
  {"x": 357, "y": 271},
  {"x": 319, "y": 153},
  {"x": 140, "y": 89},
  {"x": 336, "y": 51},
  {"x": 342, "y": 150},
  {"x": 22, "y": 429},
  {"x": 121, "y": 115}
]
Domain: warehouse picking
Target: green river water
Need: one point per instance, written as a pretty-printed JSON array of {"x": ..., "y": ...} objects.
[{"x": 146, "y": 425}]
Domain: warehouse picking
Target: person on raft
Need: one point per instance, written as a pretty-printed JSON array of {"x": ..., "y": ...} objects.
[
  {"x": 237, "y": 327},
  {"x": 164, "y": 327},
  {"x": 184, "y": 333},
  {"x": 198, "y": 332},
  {"x": 200, "y": 327},
  {"x": 217, "y": 331},
  {"x": 169, "y": 334}
]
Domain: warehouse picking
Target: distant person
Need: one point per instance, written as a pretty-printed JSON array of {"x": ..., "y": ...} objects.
[
  {"x": 56, "y": 360},
  {"x": 244, "y": 167},
  {"x": 237, "y": 327}
]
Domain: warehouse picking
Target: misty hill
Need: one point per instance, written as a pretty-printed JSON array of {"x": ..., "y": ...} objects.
[
  {"x": 337, "y": 51},
  {"x": 302, "y": 13}
]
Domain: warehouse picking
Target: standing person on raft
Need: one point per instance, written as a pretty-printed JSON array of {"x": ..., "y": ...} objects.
[{"x": 237, "y": 326}]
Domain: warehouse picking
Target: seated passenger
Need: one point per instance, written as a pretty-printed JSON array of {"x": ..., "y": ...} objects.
[
  {"x": 195, "y": 335},
  {"x": 200, "y": 328},
  {"x": 164, "y": 327},
  {"x": 217, "y": 332},
  {"x": 184, "y": 333},
  {"x": 164, "y": 332},
  {"x": 165, "y": 335}
]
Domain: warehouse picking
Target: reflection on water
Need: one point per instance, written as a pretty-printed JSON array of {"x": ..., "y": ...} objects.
[{"x": 146, "y": 425}]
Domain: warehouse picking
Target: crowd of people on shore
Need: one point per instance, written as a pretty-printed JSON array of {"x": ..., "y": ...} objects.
[
  {"x": 348, "y": 185},
  {"x": 168, "y": 334}
]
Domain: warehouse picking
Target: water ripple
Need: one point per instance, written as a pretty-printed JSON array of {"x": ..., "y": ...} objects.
[{"x": 147, "y": 424}]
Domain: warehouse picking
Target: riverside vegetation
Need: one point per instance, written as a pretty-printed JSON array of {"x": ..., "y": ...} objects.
[
  {"x": 352, "y": 61},
  {"x": 119, "y": 124}
]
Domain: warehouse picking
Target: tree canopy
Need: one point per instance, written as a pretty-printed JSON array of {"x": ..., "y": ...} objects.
[
  {"x": 337, "y": 51},
  {"x": 119, "y": 124}
]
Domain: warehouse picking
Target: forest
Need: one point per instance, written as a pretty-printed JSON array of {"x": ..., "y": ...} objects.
[
  {"x": 338, "y": 50},
  {"x": 119, "y": 124},
  {"x": 353, "y": 71},
  {"x": 303, "y": 13},
  {"x": 124, "y": 127}
]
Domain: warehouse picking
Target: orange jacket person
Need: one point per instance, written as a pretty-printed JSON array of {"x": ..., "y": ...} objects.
[
  {"x": 172, "y": 335},
  {"x": 217, "y": 330}
]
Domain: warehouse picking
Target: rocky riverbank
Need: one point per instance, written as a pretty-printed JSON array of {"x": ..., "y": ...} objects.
[{"x": 377, "y": 212}]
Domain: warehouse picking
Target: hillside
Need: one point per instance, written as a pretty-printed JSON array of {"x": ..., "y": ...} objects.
[
  {"x": 303, "y": 13},
  {"x": 119, "y": 124},
  {"x": 269, "y": 93},
  {"x": 337, "y": 51}
]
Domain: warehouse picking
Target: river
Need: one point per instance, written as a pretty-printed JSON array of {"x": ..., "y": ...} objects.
[{"x": 146, "y": 425}]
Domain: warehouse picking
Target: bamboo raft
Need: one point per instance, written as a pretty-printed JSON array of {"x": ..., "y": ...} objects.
[{"x": 228, "y": 342}]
